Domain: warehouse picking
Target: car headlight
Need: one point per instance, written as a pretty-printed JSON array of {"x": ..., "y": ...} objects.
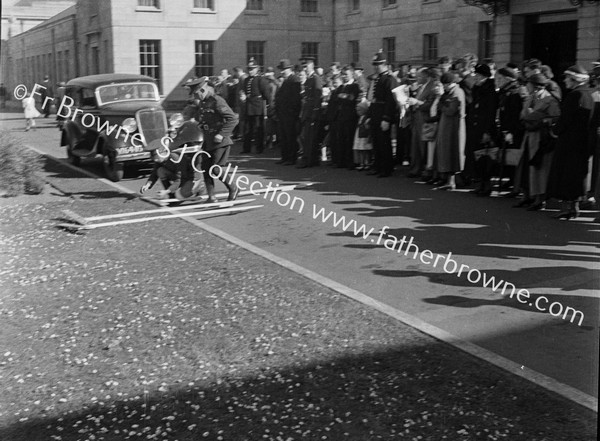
[
  {"x": 176, "y": 120},
  {"x": 129, "y": 125}
]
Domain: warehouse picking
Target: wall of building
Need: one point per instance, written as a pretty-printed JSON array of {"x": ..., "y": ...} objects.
[
  {"x": 455, "y": 23},
  {"x": 280, "y": 25},
  {"x": 97, "y": 37}
]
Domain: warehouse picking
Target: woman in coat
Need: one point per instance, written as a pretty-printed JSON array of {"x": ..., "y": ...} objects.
[
  {"x": 540, "y": 110},
  {"x": 452, "y": 109},
  {"x": 570, "y": 165}
]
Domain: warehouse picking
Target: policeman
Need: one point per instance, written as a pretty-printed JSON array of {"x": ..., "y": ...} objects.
[
  {"x": 257, "y": 99},
  {"x": 217, "y": 121},
  {"x": 381, "y": 113}
]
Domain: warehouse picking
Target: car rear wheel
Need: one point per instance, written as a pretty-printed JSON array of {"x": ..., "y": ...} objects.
[{"x": 114, "y": 170}]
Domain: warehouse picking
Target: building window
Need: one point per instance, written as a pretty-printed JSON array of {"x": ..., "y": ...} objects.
[
  {"x": 204, "y": 52},
  {"x": 354, "y": 5},
  {"x": 67, "y": 65},
  {"x": 388, "y": 3},
  {"x": 204, "y": 4},
  {"x": 485, "y": 40},
  {"x": 149, "y": 4},
  {"x": 150, "y": 60},
  {"x": 256, "y": 50},
  {"x": 254, "y": 5},
  {"x": 309, "y": 6},
  {"x": 389, "y": 49},
  {"x": 430, "y": 46},
  {"x": 353, "y": 51},
  {"x": 310, "y": 49}
]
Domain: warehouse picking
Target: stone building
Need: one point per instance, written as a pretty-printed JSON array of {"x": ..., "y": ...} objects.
[{"x": 175, "y": 39}]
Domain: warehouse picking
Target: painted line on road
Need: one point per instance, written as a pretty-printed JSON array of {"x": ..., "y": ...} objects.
[{"x": 535, "y": 377}]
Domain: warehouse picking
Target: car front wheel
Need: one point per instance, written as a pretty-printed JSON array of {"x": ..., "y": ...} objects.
[
  {"x": 73, "y": 159},
  {"x": 114, "y": 170}
]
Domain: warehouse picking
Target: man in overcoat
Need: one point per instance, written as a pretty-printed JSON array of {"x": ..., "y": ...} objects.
[
  {"x": 287, "y": 111},
  {"x": 309, "y": 114}
]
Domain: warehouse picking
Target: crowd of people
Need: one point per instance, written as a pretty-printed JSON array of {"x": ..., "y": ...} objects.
[{"x": 457, "y": 124}]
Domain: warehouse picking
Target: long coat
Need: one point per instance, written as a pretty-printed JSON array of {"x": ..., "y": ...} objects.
[
  {"x": 288, "y": 100},
  {"x": 570, "y": 164},
  {"x": 447, "y": 151},
  {"x": 537, "y": 114}
]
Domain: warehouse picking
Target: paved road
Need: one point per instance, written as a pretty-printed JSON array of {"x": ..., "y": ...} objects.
[{"x": 555, "y": 259}]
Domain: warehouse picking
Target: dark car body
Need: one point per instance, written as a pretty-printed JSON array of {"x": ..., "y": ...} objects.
[{"x": 93, "y": 110}]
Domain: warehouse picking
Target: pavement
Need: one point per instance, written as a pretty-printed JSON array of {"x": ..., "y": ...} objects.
[{"x": 556, "y": 259}]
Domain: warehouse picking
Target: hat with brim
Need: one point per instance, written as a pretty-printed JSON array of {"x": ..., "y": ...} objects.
[
  {"x": 285, "y": 64},
  {"x": 191, "y": 82},
  {"x": 483, "y": 69},
  {"x": 357, "y": 66},
  {"x": 508, "y": 73},
  {"x": 252, "y": 64},
  {"x": 307, "y": 59},
  {"x": 578, "y": 73},
  {"x": 448, "y": 78},
  {"x": 538, "y": 80}
]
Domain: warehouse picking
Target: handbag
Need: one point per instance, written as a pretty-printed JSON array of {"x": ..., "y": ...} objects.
[
  {"x": 490, "y": 150},
  {"x": 429, "y": 131}
]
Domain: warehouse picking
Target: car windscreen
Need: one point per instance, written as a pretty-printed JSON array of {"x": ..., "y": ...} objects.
[{"x": 113, "y": 93}]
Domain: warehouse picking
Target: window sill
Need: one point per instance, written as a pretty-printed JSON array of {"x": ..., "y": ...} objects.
[
  {"x": 310, "y": 14},
  {"x": 390, "y": 7},
  {"x": 203, "y": 11},
  {"x": 147, "y": 9},
  {"x": 353, "y": 13}
]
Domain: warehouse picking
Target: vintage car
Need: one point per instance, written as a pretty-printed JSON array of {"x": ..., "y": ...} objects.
[{"x": 115, "y": 116}]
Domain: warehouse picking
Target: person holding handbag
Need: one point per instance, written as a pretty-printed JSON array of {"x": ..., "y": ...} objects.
[{"x": 540, "y": 110}]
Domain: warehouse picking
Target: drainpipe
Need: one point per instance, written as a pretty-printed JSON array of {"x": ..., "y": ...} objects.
[{"x": 333, "y": 31}]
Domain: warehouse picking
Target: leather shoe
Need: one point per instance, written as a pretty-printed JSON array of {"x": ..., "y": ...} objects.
[
  {"x": 523, "y": 203},
  {"x": 233, "y": 194},
  {"x": 537, "y": 207},
  {"x": 211, "y": 200}
]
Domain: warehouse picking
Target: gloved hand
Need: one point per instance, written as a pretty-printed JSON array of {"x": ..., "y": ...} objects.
[
  {"x": 385, "y": 126},
  {"x": 218, "y": 138},
  {"x": 145, "y": 187}
]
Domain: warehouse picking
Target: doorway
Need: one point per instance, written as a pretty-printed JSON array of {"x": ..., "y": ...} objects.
[{"x": 552, "y": 42}]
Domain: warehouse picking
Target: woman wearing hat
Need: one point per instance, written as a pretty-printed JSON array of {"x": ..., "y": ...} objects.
[
  {"x": 540, "y": 110},
  {"x": 452, "y": 108},
  {"x": 570, "y": 166},
  {"x": 510, "y": 105}
]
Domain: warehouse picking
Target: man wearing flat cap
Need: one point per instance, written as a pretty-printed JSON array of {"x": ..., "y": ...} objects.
[
  {"x": 256, "y": 98},
  {"x": 217, "y": 121},
  {"x": 288, "y": 103},
  {"x": 309, "y": 114}
]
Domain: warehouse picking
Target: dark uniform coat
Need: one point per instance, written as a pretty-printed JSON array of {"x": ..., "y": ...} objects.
[
  {"x": 382, "y": 108},
  {"x": 216, "y": 118},
  {"x": 570, "y": 163},
  {"x": 258, "y": 95},
  {"x": 311, "y": 101}
]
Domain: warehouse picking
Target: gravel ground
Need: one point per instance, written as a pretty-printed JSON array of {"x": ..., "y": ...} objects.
[{"x": 163, "y": 331}]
